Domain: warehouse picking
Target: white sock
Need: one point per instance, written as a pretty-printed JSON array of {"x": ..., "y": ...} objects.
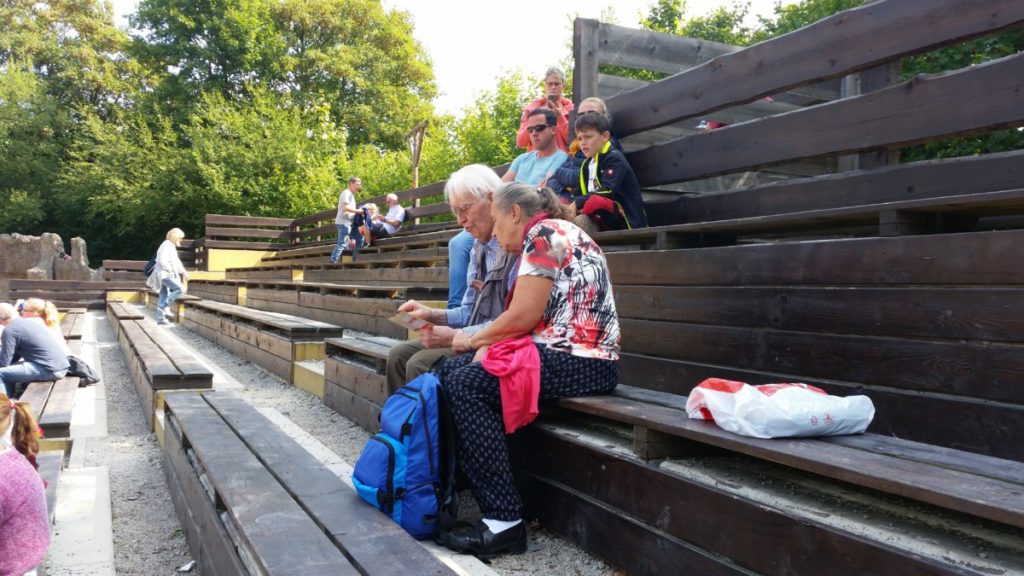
[{"x": 498, "y": 526}]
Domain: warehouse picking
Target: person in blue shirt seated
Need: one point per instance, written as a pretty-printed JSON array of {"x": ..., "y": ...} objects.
[{"x": 533, "y": 167}]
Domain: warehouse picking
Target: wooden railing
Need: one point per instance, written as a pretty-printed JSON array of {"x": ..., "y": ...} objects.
[{"x": 862, "y": 47}]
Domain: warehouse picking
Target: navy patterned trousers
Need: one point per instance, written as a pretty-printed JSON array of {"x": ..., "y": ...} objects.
[{"x": 475, "y": 397}]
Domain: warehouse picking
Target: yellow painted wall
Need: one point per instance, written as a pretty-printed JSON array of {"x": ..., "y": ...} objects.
[
  {"x": 219, "y": 260},
  {"x": 133, "y": 297}
]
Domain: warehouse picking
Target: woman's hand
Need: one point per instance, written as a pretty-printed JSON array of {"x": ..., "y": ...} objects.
[{"x": 460, "y": 342}]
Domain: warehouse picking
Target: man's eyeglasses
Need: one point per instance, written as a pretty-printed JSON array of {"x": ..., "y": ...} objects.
[
  {"x": 463, "y": 209},
  {"x": 538, "y": 128}
]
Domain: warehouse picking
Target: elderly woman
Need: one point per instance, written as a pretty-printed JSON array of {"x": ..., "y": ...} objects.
[
  {"x": 168, "y": 275},
  {"x": 562, "y": 300},
  {"x": 554, "y": 85}
]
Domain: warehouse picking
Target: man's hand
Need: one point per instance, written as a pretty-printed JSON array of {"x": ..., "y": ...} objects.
[
  {"x": 437, "y": 336},
  {"x": 416, "y": 309}
]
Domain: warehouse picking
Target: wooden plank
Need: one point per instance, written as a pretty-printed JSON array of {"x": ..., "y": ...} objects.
[
  {"x": 914, "y": 181},
  {"x": 374, "y": 543},
  {"x": 734, "y": 530},
  {"x": 212, "y": 232},
  {"x": 970, "y": 369},
  {"x": 973, "y": 259},
  {"x": 655, "y": 51},
  {"x": 586, "y": 48},
  {"x": 363, "y": 381},
  {"x": 56, "y": 418},
  {"x": 969, "y": 462},
  {"x": 209, "y": 542},
  {"x": 843, "y": 43},
  {"x": 50, "y": 463},
  {"x": 991, "y": 499},
  {"x": 920, "y": 106},
  {"x": 361, "y": 346},
  {"x": 923, "y": 216},
  {"x": 240, "y": 245},
  {"x": 989, "y": 314},
  {"x": 364, "y": 413},
  {"x": 274, "y": 529},
  {"x": 426, "y": 277},
  {"x": 981, "y": 426},
  {"x": 36, "y": 395},
  {"x": 229, "y": 220},
  {"x": 193, "y": 372},
  {"x": 67, "y": 285},
  {"x": 135, "y": 265},
  {"x": 291, "y": 325},
  {"x": 616, "y": 537}
]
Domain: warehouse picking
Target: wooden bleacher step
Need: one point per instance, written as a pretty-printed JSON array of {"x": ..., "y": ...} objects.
[
  {"x": 273, "y": 340},
  {"x": 221, "y": 454}
]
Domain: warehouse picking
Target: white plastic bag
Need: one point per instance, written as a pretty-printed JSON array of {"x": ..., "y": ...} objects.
[{"x": 778, "y": 410}]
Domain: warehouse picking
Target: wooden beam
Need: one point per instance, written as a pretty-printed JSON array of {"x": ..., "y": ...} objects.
[
  {"x": 843, "y": 43},
  {"x": 915, "y": 111}
]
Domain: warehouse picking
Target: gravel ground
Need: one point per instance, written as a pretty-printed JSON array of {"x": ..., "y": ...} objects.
[{"x": 147, "y": 536}]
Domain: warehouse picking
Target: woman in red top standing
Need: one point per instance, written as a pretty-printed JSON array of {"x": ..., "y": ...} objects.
[{"x": 554, "y": 85}]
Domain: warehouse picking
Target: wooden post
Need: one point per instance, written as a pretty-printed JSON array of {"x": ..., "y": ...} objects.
[
  {"x": 415, "y": 139},
  {"x": 864, "y": 82},
  {"x": 585, "y": 44}
]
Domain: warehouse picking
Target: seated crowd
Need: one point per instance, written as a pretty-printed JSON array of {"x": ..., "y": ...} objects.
[{"x": 530, "y": 298}]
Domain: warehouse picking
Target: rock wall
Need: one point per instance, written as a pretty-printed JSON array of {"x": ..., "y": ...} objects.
[{"x": 42, "y": 258}]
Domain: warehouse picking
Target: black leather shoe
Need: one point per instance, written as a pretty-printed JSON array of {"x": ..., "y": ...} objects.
[
  {"x": 82, "y": 382},
  {"x": 478, "y": 540}
]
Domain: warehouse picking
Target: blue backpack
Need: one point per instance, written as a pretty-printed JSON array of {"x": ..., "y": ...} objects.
[{"x": 407, "y": 469}]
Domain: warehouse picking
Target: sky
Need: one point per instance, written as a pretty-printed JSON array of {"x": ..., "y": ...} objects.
[{"x": 471, "y": 42}]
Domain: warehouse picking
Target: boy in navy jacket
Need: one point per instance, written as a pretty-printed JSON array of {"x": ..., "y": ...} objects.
[{"x": 609, "y": 194}]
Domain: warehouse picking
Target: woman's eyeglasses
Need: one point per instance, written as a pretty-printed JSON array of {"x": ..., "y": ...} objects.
[{"x": 538, "y": 128}]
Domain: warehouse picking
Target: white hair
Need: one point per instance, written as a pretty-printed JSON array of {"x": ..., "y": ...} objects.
[
  {"x": 391, "y": 198},
  {"x": 476, "y": 180},
  {"x": 556, "y": 72},
  {"x": 7, "y": 312}
]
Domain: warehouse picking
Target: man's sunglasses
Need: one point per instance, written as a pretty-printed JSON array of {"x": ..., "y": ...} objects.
[{"x": 538, "y": 128}]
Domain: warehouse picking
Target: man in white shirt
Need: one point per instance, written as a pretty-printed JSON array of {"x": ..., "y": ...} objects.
[
  {"x": 387, "y": 225},
  {"x": 346, "y": 208}
]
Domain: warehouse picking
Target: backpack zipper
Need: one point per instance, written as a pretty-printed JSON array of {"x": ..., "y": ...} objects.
[{"x": 389, "y": 504}]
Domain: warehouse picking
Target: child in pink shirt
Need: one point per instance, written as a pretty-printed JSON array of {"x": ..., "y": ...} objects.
[{"x": 24, "y": 523}]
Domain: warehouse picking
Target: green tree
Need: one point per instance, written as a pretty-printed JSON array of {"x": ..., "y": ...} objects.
[
  {"x": 350, "y": 53},
  {"x": 30, "y": 121},
  {"x": 487, "y": 131}
]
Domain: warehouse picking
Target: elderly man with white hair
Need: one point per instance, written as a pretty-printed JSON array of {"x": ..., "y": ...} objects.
[
  {"x": 488, "y": 278},
  {"x": 41, "y": 359},
  {"x": 386, "y": 225}
]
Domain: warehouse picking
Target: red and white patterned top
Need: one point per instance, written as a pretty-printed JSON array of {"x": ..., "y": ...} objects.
[{"x": 580, "y": 317}]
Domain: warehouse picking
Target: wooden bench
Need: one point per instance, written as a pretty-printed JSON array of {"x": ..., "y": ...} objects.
[
  {"x": 67, "y": 294},
  {"x": 272, "y": 340},
  {"x": 153, "y": 298},
  {"x": 118, "y": 312},
  {"x": 357, "y": 307},
  {"x": 355, "y": 385},
  {"x": 72, "y": 323},
  {"x": 52, "y": 404},
  {"x": 157, "y": 363},
  {"x": 251, "y": 500}
]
